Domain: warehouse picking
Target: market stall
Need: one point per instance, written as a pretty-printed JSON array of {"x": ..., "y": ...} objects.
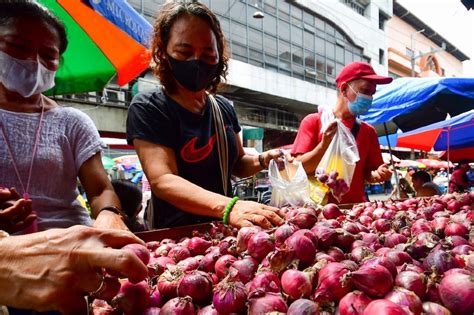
[{"x": 411, "y": 256}]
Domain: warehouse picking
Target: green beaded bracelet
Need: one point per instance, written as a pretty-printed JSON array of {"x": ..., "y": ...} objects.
[{"x": 228, "y": 209}]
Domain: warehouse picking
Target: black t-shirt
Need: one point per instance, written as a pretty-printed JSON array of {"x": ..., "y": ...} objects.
[{"x": 155, "y": 117}]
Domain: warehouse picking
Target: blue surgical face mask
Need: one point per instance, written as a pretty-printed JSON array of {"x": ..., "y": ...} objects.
[{"x": 361, "y": 105}]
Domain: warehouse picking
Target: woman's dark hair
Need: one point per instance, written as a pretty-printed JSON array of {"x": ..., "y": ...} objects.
[
  {"x": 167, "y": 16},
  {"x": 10, "y": 10},
  {"x": 424, "y": 176},
  {"x": 130, "y": 196}
]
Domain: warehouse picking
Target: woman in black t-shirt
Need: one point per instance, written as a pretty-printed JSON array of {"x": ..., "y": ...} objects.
[{"x": 174, "y": 132}]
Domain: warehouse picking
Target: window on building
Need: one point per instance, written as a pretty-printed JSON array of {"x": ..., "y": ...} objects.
[
  {"x": 382, "y": 20},
  {"x": 355, "y": 5},
  {"x": 409, "y": 52},
  {"x": 381, "y": 56}
]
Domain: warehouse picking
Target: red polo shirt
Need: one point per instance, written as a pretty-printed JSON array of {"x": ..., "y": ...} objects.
[{"x": 309, "y": 135}]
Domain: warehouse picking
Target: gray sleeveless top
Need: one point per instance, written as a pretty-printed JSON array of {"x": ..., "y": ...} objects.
[{"x": 68, "y": 138}]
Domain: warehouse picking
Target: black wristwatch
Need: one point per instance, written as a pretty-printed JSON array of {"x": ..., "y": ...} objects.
[
  {"x": 115, "y": 210},
  {"x": 261, "y": 160}
]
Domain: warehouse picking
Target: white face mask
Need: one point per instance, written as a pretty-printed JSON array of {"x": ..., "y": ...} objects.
[{"x": 26, "y": 77}]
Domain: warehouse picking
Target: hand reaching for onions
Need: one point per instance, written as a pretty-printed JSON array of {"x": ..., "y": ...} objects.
[
  {"x": 55, "y": 269},
  {"x": 248, "y": 213},
  {"x": 15, "y": 213}
]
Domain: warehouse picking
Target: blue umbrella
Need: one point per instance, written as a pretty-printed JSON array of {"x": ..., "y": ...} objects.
[
  {"x": 410, "y": 103},
  {"x": 457, "y": 132}
]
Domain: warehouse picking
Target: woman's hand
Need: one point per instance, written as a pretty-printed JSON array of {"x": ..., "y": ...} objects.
[
  {"x": 15, "y": 214},
  {"x": 55, "y": 269},
  {"x": 329, "y": 133},
  {"x": 275, "y": 154},
  {"x": 248, "y": 213}
]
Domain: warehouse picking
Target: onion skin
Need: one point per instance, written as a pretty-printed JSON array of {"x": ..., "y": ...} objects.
[
  {"x": 229, "y": 297},
  {"x": 435, "y": 309},
  {"x": 263, "y": 303},
  {"x": 140, "y": 251},
  {"x": 384, "y": 307},
  {"x": 353, "y": 303},
  {"x": 412, "y": 281},
  {"x": 132, "y": 298},
  {"x": 178, "y": 306},
  {"x": 259, "y": 245},
  {"x": 303, "y": 307},
  {"x": 197, "y": 285},
  {"x": 296, "y": 284},
  {"x": 198, "y": 245},
  {"x": 457, "y": 291},
  {"x": 405, "y": 298},
  {"x": 374, "y": 280}
]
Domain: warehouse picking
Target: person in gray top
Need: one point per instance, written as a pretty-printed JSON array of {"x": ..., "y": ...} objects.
[{"x": 44, "y": 147}]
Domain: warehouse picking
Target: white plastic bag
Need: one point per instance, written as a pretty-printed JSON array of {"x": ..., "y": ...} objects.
[
  {"x": 336, "y": 168},
  {"x": 290, "y": 186}
]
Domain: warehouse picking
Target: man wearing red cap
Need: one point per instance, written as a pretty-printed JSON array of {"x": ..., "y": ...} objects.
[{"x": 356, "y": 83}]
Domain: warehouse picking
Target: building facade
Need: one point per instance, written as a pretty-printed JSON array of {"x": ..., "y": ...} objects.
[
  {"x": 285, "y": 56},
  {"x": 415, "y": 49}
]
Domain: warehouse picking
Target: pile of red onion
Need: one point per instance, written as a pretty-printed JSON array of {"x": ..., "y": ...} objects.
[{"x": 395, "y": 257}]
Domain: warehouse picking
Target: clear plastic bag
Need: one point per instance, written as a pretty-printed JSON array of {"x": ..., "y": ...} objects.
[
  {"x": 336, "y": 168},
  {"x": 290, "y": 186}
]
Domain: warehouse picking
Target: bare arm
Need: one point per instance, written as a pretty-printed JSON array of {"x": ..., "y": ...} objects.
[
  {"x": 100, "y": 194},
  {"x": 159, "y": 164},
  {"x": 311, "y": 159}
]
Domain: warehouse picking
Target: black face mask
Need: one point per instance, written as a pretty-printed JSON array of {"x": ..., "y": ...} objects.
[{"x": 195, "y": 75}]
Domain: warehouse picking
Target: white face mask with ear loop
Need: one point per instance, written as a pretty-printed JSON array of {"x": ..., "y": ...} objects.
[{"x": 26, "y": 77}]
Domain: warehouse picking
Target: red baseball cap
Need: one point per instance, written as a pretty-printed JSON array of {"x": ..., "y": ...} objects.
[{"x": 360, "y": 70}]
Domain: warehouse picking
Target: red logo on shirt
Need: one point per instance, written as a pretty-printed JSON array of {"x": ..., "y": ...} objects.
[{"x": 190, "y": 154}]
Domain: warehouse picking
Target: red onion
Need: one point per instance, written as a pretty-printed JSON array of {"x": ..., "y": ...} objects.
[
  {"x": 374, "y": 281},
  {"x": 360, "y": 253},
  {"x": 198, "y": 246},
  {"x": 208, "y": 261},
  {"x": 455, "y": 229},
  {"x": 398, "y": 257},
  {"x": 307, "y": 233},
  {"x": 331, "y": 211},
  {"x": 350, "y": 264},
  {"x": 420, "y": 225},
  {"x": 156, "y": 300},
  {"x": 283, "y": 232},
  {"x": 178, "y": 306},
  {"x": 336, "y": 253},
  {"x": 344, "y": 239},
  {"x": 439, "y": 224},
  {"x": 208, "y": 310},
  {"x": 353, "y": 303},
  {"x": 389, "y": 214},
  {"x": 457, "y": 292},
  {"x": 411, "y": 267},
  {"x": 152, "y": 245},
  {"x": 365, "y": 220},
  {"x": 462, "y": 250},
  {"x": 435, "y": 309},
  {"x": 303, "y": 248},
  {"x": 157, "y": 265},
  {"x": 423, "y": 244},
  {"x": 279, "y": 259},
  {"x": 139, "y": 250},
  {"x": 439, "y": 261},
  {"x": 228, "y": 246},
  {"x": 178, "y": 253},
  {"x": 229, "y": 297},
  {"x": 412, "y": 281},
  {"x": 164, "y": 249},
  {"x": 266, "y": 281},
  {"x": 384, "y": 307},
  {"x": 382, "y": 225},
  {"x": 132, "y": 297},
  {"x": 454, "y": 206},
  {"x": 153, "y": 310},
  {"x": 168, "y": 281},
  {"x": 196, "y": 284},
  {"x": 325, "y": 235},
  {"x": 297, "y": 284},
  {"x": 324, "y": 256},
  {"x": 244, "y": 235},
  {"x": 190, "y": 263},
  {"x": 384, "y": 261},
  {"x": 222, "y": 265},
  {"x": 245, "y": 268},
  {"x": 303, "y": 307},
  {"x": 394, "y": 238},
  {"x": 112, "y": 287},
  {"x": 405, "y": 298},
  {"x": 263, "y": 303},
  {"x": 334, "y": 282},
  {"x": 456, "y": 240},
  {"x": 259, "y": 245},
  {"x": 351, "y": 227},
  {"x": 304, "y": 218}
]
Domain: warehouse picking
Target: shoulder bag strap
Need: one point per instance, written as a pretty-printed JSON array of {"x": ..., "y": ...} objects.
[
  {"x": 355, "y": 128},
  {"x": 221, "y": 141}
]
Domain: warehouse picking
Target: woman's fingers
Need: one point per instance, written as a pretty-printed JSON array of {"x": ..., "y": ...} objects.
[
  {"x": 118, "y": 238},
  {"x": 120, "y": 262},
  {"x": 273, "y": 217},
  {"x": 261, "y": 221}
]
